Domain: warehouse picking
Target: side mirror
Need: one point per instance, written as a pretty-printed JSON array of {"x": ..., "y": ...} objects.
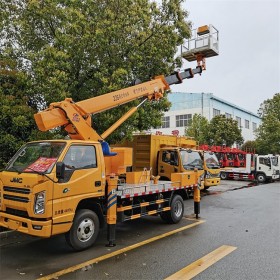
[{"x": 60, "y": 170}]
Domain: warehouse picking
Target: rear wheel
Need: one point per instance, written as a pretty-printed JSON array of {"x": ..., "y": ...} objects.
[
  {"x": 175, "y": 214},
  {"x": 84, "y": 230}
]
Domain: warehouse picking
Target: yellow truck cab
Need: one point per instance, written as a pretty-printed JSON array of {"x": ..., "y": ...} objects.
[
  {"x": 211, "y": 169},
  {"x": 43, "y": 201}
]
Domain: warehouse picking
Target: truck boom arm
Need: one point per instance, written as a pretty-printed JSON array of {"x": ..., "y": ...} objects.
[{"x": 76, "y": 117}]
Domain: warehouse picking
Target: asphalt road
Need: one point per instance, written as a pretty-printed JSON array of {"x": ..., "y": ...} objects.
[{"x": 232, "y": 214}]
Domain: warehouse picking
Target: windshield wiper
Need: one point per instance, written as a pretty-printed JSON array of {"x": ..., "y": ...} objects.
[
  {"x": 194, "y": 166},
  {"x": 189, "y": 166},
  {"x": 14, "y": 168},
  {"x": 37, "y": 172},
  {"x": 200, "y": 167},
  {"x": 213, "y": 166},
  {"x": 42, "y": 174}
]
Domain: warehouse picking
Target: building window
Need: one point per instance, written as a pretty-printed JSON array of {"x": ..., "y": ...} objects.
[
  {"x": 238, "y": 119},
  {"x": 247, "y": 124},
  {"x": 254, "y": 125},
  {"x": 216, "y": 112},
  {"x": 183, "y": 120},
  {"x": 165, "y": 122},
  {"x": 228, "y": 116}
]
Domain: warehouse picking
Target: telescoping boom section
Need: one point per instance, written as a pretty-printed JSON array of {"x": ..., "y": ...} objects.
[{"x": 76, "y": 117}]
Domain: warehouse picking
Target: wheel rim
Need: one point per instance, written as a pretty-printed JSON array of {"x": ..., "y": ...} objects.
[
  {"x": 261, "y": 178},
  {"x": 85, "y": 230},
  {"x": 178, "y": 209}
]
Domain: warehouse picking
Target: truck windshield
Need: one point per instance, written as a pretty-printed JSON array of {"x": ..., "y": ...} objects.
[
  {"x": 241, "y": 156},
  {"x": 36, "y": 157},
  {"x": 211, "y": 160},
  {"x": 191, "y": 160},
  {"x": 230, "y": 156},
  {"x": 274, "y": 161}
]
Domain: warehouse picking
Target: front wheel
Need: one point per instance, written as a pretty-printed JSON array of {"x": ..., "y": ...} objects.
[
  {"x": 84, "y": 230},
  {"x": 175, "y": 214},
  {"x": 223, "y": 175},
  {"x": 261, "y": 178}
]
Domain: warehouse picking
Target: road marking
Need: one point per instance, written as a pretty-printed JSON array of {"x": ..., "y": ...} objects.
[
  {"x": 200, "y": 265},
  {"x": 118, "y": 252}
]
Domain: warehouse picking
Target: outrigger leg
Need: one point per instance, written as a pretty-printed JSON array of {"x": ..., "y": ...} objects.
[
  {"x": 196, "y": 197},
  {"x": 112, "y": 211}
]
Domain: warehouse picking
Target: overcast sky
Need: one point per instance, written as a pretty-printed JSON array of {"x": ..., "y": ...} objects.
[{"x": 247, "y": 70}]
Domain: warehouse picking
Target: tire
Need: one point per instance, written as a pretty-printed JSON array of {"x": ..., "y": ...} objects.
[
  {"x": 261, "y": 178},
  {"x": 175, "y": 214},
  {"x": 84, "y": 230},
  {"x": 223, "y": 175}
]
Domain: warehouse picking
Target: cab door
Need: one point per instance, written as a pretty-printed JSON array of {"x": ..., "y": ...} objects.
[
  {"x": 84, "y": 178},
  {"x": 168, "y": 163}
]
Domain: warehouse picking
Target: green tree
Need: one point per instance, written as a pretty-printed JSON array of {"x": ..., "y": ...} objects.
[
  {"x": 225, "y": 131},
  {"x": 250, "y": 146},
  {"x": 17, "y": 124},
  {"x": 268, "y": 133},
  {"x": 198, "y": 129},
  {"x": 81, "y": 49}
]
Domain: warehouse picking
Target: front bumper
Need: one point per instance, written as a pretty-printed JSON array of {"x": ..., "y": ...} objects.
[
  {"x": 212, "y": 182},
  {"x": 24, "y": 225}
]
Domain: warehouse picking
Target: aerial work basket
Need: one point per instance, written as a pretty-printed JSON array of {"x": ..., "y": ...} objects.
[{"x": 203, "y": 43}]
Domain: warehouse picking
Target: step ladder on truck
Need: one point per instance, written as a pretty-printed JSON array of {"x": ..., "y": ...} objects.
[{"x": 78, "y": 185}]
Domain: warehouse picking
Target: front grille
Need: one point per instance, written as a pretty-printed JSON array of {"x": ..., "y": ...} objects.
[
  {"x": 17, "y": 212},
  {"x": 214, "y": 175},
  {"x": 19, "y": 195},
  {"x": 16, "y": 198},
  {"x": 16, "y": 190}
]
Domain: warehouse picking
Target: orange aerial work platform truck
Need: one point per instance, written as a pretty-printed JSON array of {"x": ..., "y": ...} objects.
[{"x": 79, "y": 185}]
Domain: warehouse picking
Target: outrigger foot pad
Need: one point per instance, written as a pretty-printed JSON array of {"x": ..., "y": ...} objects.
[{"x": 111, "y": 244}]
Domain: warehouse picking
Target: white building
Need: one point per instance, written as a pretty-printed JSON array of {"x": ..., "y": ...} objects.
[{"x": 185, "y": 105}]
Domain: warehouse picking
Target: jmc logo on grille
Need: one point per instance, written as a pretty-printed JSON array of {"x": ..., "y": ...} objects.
[{"x": 16, "y": 180}]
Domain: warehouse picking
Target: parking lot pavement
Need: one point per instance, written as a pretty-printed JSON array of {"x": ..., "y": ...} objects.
[{"x": 8, "y": 237}]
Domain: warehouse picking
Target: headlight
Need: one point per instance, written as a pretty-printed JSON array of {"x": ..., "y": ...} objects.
[{"x": 39, "y": 206}]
